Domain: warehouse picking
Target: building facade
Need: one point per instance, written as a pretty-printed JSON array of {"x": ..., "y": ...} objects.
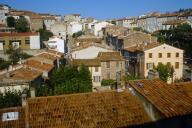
[{"x": 19, "y": 40}]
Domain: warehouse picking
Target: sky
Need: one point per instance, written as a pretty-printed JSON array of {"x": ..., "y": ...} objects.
[{"x": 99, "y": 9}]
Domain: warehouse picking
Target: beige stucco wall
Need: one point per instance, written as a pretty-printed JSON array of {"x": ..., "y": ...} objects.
[
  {"x": 93, "y": 73},
  {"x": 112, "y": 70},
  {"x": 164, "y": 49}
]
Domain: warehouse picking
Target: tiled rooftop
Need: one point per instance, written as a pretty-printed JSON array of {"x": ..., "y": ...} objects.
[
  {"x": 39, "y": 65},
  {"x": 108, "y": 56},
  {"x": 86, "y": 110},
  {"x": 142, "y": 47},
  {"x": 174, "y": 22},
  {"x": 166, "y": 98},
  {"x": 86, "y": 62},
  {"x": 18, "y": 34}
]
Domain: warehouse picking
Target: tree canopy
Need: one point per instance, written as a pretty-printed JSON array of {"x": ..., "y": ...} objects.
[
  {"x": 71, "y": 79},
  {"x": 22, "y": 25},
  {"x": 180, "y": 36},
  {"x": 77, "y": 34},
  {"x": 44, "y": 35},
  {"x": 165, "y": 72},
  {"x": 11, "y": 21}
]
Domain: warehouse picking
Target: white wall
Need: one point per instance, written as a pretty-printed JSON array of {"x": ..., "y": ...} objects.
[
  {"x": 74, "y": 27},
  {"x": 59, "y": 43},
  {"x": 16, "y": 87},
  {"x": 59, "y": 29},
  {"x": 48, "y": 23},
  {"x": 35, "y": 42},
  {"x": 98, "y": 27},
  {"x": 88, "y": 53},
  {"x": 93, "y": 73}
]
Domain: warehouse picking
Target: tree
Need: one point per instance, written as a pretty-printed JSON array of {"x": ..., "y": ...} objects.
[
  {"x": 14, "y": 54},
  {"x": 4, "y": 64},
  {"x": 108, "y": 82},
  {"x": 44, "y": 36},
  {"x": 165, "y": 71},
  {"x": 22, "y": 25},
  {"x": 77, "y": 34},
  {"x": 71, "y": 79},
  {"x": 11, "y": 98},
  {"x": 180, "y": 36},
  {"x": 11, "y": 21}
]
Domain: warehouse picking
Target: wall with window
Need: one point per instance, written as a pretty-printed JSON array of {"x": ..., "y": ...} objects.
[
  {"x": 164, "y": 54},
  {"x": 96, "y": 75}
]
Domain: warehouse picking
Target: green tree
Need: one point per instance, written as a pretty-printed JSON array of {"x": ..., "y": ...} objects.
[
  {"x": 77, "y": 34},
  {"x": 108, "y": 82},
  {"x": 11, "y": 98},
  {"x": 22, "y": 25},
  {"x": 180, "y": 36},
  {"x": 44, "y": 36},
  {"x": 4, "y": 64},
  {"x": 70, "y": 79},
  {"x": 14, "y": 54},
  {"x": 165, "y": 71},
  {"x": 11, "y": 21}
]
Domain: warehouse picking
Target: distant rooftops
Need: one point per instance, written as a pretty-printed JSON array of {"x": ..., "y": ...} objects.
[{"x": 18, "y": 34}]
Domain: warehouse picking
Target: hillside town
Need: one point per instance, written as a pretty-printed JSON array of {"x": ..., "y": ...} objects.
[{"x": 80, "y": 72}]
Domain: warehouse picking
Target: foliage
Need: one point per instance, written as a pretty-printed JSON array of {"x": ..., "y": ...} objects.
[
  {"x": 107, "y": 82},
  {"x": 113, "y": 22},
  {"x": 11, "y": 21},
  {"x": 165, "y": 71},
  {"x": 77, "y": 34},
  {"x": 180, "y": 36},
  {"x": 71, "y": 79},
  {"x": 22, "y": 25},
  {"x": 43, "y": 90},
  {"x": 4, "y": 64},
  {"x": 44, "y": 35},
  {"x": 140, "y": 29},
  {"x": 11, "y": 98},
  {"x": 13, "y": 54}
]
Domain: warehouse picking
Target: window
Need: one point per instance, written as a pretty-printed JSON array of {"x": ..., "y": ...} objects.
[
  {"x": 117, "y": 64},
  {"x": 96, "y": 69},
  {"x": 169, "y": 64},
  {"x": 108, "y": 64},
  {"x": 149, "y": 66},
  {"x": 160, "y": 55},
  {"x": 176, "y": 65},
  {"x": 150, "y": 55},
  {"x": 108, "y": 75},
  {"x": 27, "y": 42},
  {"x": 168, "y": 55},
  {"x": 96, "y": 79},
  {"x": 177, "y": 54}
]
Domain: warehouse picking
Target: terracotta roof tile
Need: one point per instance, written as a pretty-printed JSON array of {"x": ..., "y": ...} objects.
[
  {"x": 39, "y": 65},
  {"x": 108, "y": 56},
  {"x": 174, "y": 22},
  {"x": 103, "y": 109},
  {"x": 166, "y": 98},
  {"x": 25, "y": 74},
  {"x": 3, "y": 34},
  {"x": 86, "y": 62}
]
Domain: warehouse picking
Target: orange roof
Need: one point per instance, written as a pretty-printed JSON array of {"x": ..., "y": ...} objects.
[
  {"x": 47, "y": 56},
  {"x": 39, "y": 65},
  {"x": 109, "y": 56},
  {"x": 3, "y": 34},
  {"x": 166, "y": 98},
  {"x": 142, "y": 47},
  {"x": 86, "y": 110},
  {"x": 25, "y": 74},
  {"x": 86, "y": 62}
]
